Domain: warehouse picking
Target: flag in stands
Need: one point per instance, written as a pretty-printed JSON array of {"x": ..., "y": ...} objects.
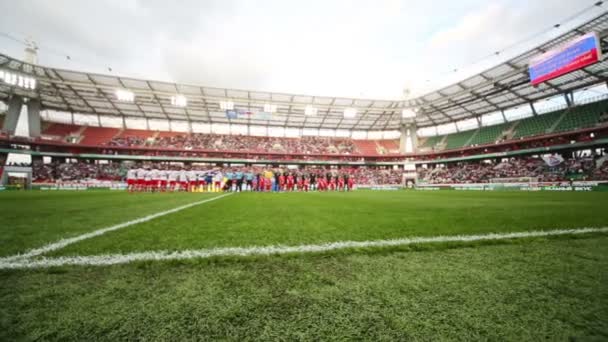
[{"x": 553, "y": 159}]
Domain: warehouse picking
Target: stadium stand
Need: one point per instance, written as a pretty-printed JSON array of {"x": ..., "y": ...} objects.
[
  {"x": 583, "y": 168},
  {"x": 98, "y": 135},
  {"x": 82, "y": 172},
  {"x": 305, "y": 145},
  {"x": 431, "y": 142},
  {"x": 582, "y": 117},
  {"x": 388, "y": 146},
  {"x": 490, "y": 134},
  {"x": 60, "y": 131},
  {"x": 458, "y": 140},
  {"x": 536, "y": 125},
  {"x": 365, "y": 146}
]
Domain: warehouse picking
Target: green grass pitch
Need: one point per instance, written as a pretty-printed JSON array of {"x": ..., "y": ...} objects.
[{"x": 527, "y": 289}]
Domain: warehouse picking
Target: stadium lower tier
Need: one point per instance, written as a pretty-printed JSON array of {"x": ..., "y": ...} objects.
[
  {"x": 83, "y": 172},
  {"x": 550, "y": 168}
]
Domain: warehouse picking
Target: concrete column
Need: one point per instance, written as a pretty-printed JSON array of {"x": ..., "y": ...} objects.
[
  {"x": 12, "y": 115},
  {"x": 408, "y": 139},
  {"x": 33, "y": 117}
]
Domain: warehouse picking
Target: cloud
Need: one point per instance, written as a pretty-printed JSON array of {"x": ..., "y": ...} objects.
[{"x": 364, "y": 48}]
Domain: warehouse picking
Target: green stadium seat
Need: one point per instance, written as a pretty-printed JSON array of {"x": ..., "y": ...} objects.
[
  {"x": 540, "y": 124},
  {"x": 582, "y": 117},
  {"x": 458, "y": 140},
  {"x": 490, "y": 134}
]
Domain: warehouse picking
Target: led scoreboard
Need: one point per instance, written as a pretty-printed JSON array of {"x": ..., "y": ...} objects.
[{"x": 576, "y": 54}]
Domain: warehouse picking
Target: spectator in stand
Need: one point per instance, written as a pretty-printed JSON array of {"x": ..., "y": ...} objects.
[
  {"x": 198, "y": 141},
  {"x": 81, "y": 171},
  {"x": 521, "y": 167}
]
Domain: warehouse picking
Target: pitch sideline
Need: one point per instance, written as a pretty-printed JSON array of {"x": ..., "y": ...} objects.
[
  {"x": 113, "y": 259},
  {"x": 68, "y": 241}
]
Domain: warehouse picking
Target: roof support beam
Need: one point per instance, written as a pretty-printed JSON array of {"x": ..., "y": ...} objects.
[
  {"x": 328, "y": 111},
  {"x": 134, "y": 102},
  {"x": 533, "y": 109},
  {"x": 568, "y": 101},
  {"x": 162, "y": 108}
]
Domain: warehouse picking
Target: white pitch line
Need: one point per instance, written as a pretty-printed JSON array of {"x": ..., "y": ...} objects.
[
  {"x": 65, "y": 242},
  {"x": 113, "y": 259}
]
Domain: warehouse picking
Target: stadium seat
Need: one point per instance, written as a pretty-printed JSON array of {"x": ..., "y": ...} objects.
[
  {"x": 582, "y": 117},
  {"x": 458, "y": 140},
  {"x": 540, "y": 124},
  {"x": 367, "y": 147},
  {"x": 98, "y": 135},
  {"x": 60, "y": 131},
  {"x": 489, "y": 134}
]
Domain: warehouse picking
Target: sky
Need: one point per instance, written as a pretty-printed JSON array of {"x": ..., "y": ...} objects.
[{"x": 350, "y": 48}]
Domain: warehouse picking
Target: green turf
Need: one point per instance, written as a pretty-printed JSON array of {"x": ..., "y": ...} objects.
[
  {"x": 547, "y": 289},
  {"x": 31, "y": 219},
  {"x": 292, "y": 219}
]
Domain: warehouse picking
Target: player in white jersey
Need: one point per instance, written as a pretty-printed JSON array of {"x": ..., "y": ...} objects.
[
  {"x": 217, "y": 181},
  {"x": 131, "y": 179},
  {"x": 163, "y": 175},
  {"x": 183, "y": 180},
  {"x": 155, "y": 179},
  {"x": 148, "y": 180},
  {"x": 200, "y": 181},
  {"x": 192, "y": 180},
  {"x": 141, "y": 179},
  {"x": 173, "y": 175}
]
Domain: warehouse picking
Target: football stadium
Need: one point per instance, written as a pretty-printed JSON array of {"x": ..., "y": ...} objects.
[{"x": 133, "y": 208}]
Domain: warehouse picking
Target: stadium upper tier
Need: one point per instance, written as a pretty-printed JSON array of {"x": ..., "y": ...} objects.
[
  {"x": 563, "y": 122},
  {"x": 569, "y": 119},
  {"x": 496, "y": 89}
]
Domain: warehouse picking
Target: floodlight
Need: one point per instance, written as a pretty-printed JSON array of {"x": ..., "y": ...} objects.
[
  {"x": 179, "y": 101},
  {"x": 20, "y": 81},
  {"x": 310, "y": 110},
  {"x": 350, "y": 112},
  {"x": 270, "y": 108},
  {"x": 125, "y": 95},
  {"x": 227, "y": 105},
  {"x": 408, "y": 113}
]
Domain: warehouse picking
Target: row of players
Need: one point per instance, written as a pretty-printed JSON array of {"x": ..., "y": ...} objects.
[{"x": 152, "y": 180}]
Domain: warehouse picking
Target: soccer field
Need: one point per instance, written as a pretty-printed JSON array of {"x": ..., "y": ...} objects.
[{"x": 360, "y": 265}]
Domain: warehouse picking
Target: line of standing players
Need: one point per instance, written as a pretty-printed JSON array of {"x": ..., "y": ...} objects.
[
  {"x": 147, "y": 179},
  {"x": 278, "y": 181}
]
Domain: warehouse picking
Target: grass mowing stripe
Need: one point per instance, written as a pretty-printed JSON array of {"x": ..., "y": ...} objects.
[
  {"x": 65, "y": 242},
  {"x": 112, "y": 259}
]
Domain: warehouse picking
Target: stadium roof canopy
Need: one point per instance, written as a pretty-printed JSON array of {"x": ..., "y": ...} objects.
[{"x": 499, "y": 88}]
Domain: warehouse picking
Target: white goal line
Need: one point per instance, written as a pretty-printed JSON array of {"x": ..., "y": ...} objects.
[
  {"x": 113, "y": 259},
  {"x": 65, "y": 242}
]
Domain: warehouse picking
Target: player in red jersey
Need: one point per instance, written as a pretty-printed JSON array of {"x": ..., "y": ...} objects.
[
  {"x": 305, "y": 183},
  {"x": 341, "y": 183},
  {"x": 290, "y": 182},
  {"x": 282, "y": 182},
  {"x": 300, "y": 182},
  {"x": 350, "y": 181},
  {"x": 332, "y": 183},
  {"x": 321, "y": 183}
]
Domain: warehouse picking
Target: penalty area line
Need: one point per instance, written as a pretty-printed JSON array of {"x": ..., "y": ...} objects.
[
  {"x": 68, "y": 241},
  {"x": 113, "y": 259}
]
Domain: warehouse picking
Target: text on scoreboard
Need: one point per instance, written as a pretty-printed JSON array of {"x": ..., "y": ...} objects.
[{"x": 576, "y": 54}]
